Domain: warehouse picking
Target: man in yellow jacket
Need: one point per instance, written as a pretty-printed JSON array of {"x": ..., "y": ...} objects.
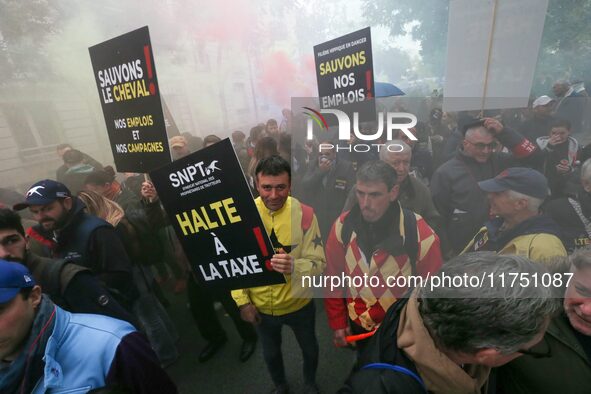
[
  {"x": 294, "y": 232},
  {"x": 515, "y": 196}
]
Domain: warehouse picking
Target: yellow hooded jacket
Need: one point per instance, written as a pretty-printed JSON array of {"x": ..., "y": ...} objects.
[
  {"x": 537, "y": 246},
  {"x": 295, "y": 227}
]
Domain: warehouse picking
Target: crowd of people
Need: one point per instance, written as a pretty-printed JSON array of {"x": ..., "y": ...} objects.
[{"x": 497, "y": 195}]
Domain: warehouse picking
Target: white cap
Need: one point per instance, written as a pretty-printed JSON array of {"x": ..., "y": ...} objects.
[{"x": 542, "y": 100}]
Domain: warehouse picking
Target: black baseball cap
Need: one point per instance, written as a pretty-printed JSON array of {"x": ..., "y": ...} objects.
[
  {"x": 42, "y": 193},
  {"x": 520, "y": 179}
]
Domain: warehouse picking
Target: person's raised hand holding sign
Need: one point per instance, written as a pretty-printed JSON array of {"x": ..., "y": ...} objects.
[{"x": 282, "y": 262}]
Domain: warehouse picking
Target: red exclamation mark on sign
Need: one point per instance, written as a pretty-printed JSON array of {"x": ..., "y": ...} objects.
[
  {"x": 368, "y": 83},
  {"x": 152, "y": 86},
  {"x": 259, "y": 236}
]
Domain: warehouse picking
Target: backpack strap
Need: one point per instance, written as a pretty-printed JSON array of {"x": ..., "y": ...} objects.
[
  {"x": 383, "y": 361},
  {"x": 385, "y": 336},
  {"x": 307, "y": 216},
  {"x": 346, "y": 232},
  {"x": 411, "y": 238},
  {"x": 51, "y": 273},
  {"x": 397, "y": 368}
]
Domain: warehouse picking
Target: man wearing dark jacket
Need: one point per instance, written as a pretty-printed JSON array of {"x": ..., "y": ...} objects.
[
  {"x": 573, "y": 214},
  {"x": 66, "y": 231},
  {"x": 567, "y": 343},
  {"x": 71, "y": 286},
  {"x": 454, "y": 186},
  {"x": 326, "y": 185},
  {"x": 447, "y": 336}
]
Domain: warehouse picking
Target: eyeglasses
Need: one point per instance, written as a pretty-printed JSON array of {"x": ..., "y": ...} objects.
[
  {"x": 279, "y": 188},
  {"x": 540, "y": 350},
  {"x": 482, "y": 146}
]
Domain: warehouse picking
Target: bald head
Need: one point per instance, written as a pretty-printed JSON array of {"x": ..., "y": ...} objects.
[{"x": 478, "y": 143}]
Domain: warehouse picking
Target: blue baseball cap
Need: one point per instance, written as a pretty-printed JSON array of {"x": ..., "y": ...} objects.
[
  {"x": 42, "y": 193},
  {"x": 13, "y": 277},
  {"x": 522, "y": 180}
]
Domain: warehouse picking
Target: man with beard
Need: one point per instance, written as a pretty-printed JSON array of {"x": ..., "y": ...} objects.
[
  {"x": 71, "y": 286},
  {"x": 44, "y": 349},
  {"x": 66, "y": 231}
]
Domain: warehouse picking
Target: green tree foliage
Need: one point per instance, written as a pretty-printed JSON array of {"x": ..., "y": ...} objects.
[
  {"x": 25, "y": 26},
  {"x": 566, "y": 41}
]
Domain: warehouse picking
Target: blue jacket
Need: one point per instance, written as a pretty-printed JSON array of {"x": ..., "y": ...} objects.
[{"x": 80, "y": 351}]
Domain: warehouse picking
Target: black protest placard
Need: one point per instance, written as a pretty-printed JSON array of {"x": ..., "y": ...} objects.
[
  {"x": 344, "y": 72},
  {"x": 214, "y": 215},
  {"x": 125, "y": 76},
  {"x": 171, "y": 127}
]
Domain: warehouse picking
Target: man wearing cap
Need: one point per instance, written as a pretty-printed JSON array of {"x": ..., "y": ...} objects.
[
  {"x": 454, "y": 186},
  {"x": 46, "y": 349},
  {"x": 515, "y": 196},
  {"x": 541, "y": 119},
  {"x": 178, "y": 146},
  {"x": 66, "y": 231},
  {"x": 71, "y": 286}
]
